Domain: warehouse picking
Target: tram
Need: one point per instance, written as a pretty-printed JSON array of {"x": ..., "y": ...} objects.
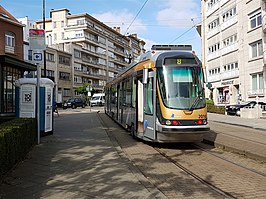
[{"x": 161, "y": 98}]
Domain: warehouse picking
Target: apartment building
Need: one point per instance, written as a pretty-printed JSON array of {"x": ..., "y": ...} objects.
[
  {"x": 233, "y": 50},
  {"x": 98, "y": 51},
  {"x": 12, "y": 64}
]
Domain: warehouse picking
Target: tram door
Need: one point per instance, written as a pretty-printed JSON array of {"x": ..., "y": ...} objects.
[{"x": 149, "y": 107}]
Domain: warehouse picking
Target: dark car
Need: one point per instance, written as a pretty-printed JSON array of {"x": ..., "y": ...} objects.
[
  {"x": 74, "y": 103},
  {"x": 234, "y": 109}
]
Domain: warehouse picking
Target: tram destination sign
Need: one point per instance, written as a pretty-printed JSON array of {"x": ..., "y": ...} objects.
[{"x": 179, "y": 61}]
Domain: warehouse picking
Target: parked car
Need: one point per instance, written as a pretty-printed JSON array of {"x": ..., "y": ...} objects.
[
  {"x": 98, "y": 99},
  {"x": 74, "y": 103},
  {"x": 234, "y": 109}
]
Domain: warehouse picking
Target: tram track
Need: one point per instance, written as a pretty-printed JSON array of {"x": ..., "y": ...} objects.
[
  {"x": 229, "y": 161},
  {"x": 192, "y": 174},
  {"x": 224, "y": 178}
]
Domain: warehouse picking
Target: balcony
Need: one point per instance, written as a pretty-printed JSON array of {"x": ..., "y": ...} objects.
[
  {"x": 258, "y": 92},
  {"x": 230, "y": 74},
  {"x": 229, "y": 49},
  {"x": 264, "y": 57},
  {"x": 212, "y": 9},
  {"x": 222, "y": 2},
  {"x": 229, "y": 22},
  {"x": 213, "y": 32},
  {"x": 213, "y": 55},
  {"x": 9, "y": 49},
  {"x": 214, "y": 78},
  {"x": 264, "y": 23}
]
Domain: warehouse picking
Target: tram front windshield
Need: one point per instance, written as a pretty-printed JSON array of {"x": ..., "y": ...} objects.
[{"x": 181, "y": 87}]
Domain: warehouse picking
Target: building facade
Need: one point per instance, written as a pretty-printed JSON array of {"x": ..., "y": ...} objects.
[
  {"x": 233, "y": 50},
  {"x": 98, "y": 51},
  {"x": 12, "y": 64}
]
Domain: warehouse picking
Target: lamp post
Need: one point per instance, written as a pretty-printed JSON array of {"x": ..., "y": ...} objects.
[{"x": 44, "y": 51}]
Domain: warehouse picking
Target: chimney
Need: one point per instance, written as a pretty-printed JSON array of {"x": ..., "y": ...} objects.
[
  {"x": 117, "y": 29},
  {"x": 51, "y": 13}
]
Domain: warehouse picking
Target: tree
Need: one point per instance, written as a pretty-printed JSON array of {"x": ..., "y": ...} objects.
[{"x": 82, "y": 89}]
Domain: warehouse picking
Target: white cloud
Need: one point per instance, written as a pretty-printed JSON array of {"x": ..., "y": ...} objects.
[
  {"x": 178, "y": 13},
  {"x": 148, "y": 44},
  {"x": 121, "y": 19}
]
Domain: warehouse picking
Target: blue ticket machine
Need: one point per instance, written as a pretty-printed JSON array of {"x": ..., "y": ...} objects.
[{"x": 26, "y": 102}]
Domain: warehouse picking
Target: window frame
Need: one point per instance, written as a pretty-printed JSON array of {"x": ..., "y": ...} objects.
[{"x": 10, "y": 39}]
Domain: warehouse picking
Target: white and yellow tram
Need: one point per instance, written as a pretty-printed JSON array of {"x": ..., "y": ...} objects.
[{"x": 161, "y": 97}]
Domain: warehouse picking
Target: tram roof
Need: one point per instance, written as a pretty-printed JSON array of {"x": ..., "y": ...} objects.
[{"x": 156, "y": 50}]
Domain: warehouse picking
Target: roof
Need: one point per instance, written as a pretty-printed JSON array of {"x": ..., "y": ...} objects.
[
  {"x": 5, "y": 14},
  {"x": 17, "y": 63}
]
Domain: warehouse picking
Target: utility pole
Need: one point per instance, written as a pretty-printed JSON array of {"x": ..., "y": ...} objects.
[{"x": 44, "y": 51}]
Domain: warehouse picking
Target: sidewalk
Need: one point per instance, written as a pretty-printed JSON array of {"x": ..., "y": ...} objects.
[
  {"x": 259, "y": 124},
  {"x": 245, "y": 136},
  {"x": 78, "y": 161}
]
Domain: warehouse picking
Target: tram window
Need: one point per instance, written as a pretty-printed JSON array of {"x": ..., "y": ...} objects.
[
  {"x": 113, "y": 95},
  {"x": 149, "y": 97},
  {"x": 128, "y": 92},
  {"x": 123, "y": 94},
  {"x": 134, "y": 90}
]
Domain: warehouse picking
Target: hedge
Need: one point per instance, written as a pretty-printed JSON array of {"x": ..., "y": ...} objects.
[
  {"x": 17, "y": 137},
  {"x": 211, "y": 108}
]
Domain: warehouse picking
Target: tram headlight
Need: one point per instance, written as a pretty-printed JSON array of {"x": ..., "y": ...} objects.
[{"x": 168, "y": 122}]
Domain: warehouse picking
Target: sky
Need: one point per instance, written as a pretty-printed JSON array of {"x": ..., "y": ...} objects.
[{"x": 154, "y": 21}]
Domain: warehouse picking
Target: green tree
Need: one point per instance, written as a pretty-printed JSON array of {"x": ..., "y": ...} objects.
[{"x": 82, "y": 89}]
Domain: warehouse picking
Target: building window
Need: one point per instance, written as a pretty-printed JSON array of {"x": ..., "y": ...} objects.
[
  {"x": 256, "y": 49},
  {"x": 62, "y": 35},
  {"x": 66, "y": 92},
  {"x": 78, "y": 79},
  {"x": 77, "y": 53},
  {"x": 54, "y": 24},
  {"x": 81, "y": 22},
  {"x": 229, "y": 14},
  {"x": 62, "y": 24},
  {"x": 214, "y": 24},
  {"x": 230, "y": 40},
  {"x": 214, "y": 48},
  {"x": 30, "y": 55},
  {"x": 10, "y": 39},
  {"x": 231, "y": 66},
  {"x": 257, "y": 83},
  {"x": 50, "y": 57},
  {"x": 255, "y": 20},
  {"x": 64, "y": 60},
  {"x": 9, "y": 76},
  {"x": 64, "y": 76},
  {"x": 211, "y": 3},
  {"x": 55, "y": 36},
  {"x": 49, "y": 73},
  {"x": 214, "y": 71},
  {"x": 9, "y": 42}
]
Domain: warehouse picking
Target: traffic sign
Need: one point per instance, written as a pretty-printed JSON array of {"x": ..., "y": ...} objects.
[{"x": 37, "y": 56}]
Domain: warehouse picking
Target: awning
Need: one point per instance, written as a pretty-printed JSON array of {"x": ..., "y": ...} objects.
[{"x": 16, "y": 63}]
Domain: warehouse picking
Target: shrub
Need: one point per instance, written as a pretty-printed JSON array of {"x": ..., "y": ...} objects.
[
  {"x": 17, "y": 137},
  {"x": 215, "y": 109},
  {"x": 209, "y": 102}
]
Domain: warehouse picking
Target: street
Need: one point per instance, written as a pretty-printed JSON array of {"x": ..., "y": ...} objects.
[{"x": 90, "y": 156}]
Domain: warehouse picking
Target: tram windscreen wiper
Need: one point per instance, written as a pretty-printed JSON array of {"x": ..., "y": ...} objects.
[{"x": 196, "y": 100}]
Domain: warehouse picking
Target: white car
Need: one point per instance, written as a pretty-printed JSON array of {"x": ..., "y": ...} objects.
[{"x": 98, "y": 99}]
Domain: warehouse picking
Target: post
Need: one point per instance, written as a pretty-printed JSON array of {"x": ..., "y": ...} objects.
[
  {"x": 38, "y": 102},
  {"x": 44, "y": 51}
]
